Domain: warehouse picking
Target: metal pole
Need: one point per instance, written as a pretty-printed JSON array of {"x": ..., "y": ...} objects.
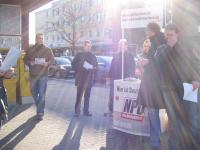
[{"x": 122, "y": 55}]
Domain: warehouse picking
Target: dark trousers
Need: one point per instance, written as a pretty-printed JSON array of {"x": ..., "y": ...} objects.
[
  {"x": 81, "y": 90},
  {"x": 183, "y": 122},
  {"x": 111, "y": 97}
]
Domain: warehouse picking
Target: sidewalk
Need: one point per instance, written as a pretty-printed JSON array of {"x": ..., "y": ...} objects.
[{"x": 60, "y": 130}]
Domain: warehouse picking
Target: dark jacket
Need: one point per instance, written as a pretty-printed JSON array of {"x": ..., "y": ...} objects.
[
  {"x": 176, "y": 65},
  {"x": 116, "y": 66},
  {"x": 38, "y": 52},
  {"x": 149, "y": 93},
  {"x": 84, "y": 77}
]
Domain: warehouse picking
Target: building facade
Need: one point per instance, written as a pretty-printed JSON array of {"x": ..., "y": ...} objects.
[{"x": 68, "y": 23}]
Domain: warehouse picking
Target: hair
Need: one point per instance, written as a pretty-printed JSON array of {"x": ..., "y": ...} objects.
[
  {"x": 39, "y": 34},
  {"x": 86, "y": 42},
  {"x": 154, "y": 27},
  {"x": 172, "y": 27}
]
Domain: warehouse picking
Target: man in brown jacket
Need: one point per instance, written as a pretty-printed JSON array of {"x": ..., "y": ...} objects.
[{"x": 38, "y": 58}]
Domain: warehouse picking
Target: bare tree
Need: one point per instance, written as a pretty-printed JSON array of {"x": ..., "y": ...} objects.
[{"x": 74, "y": 15}]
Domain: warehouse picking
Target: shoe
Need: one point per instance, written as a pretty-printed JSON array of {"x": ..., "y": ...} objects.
[
  {"x": 40, "y": 116},
  {"x": 76, "y": 115},
  {"x": 109, "y": 114},
  {"x": 87, "y": 114}
]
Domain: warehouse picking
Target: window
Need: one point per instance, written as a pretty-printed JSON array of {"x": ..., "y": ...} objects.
[
  {"x": 98, "y": 33},
  {"x": 89, "y": 34}
]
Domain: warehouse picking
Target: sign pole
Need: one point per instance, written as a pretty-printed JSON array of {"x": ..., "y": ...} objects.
[{"x": 122, "y": 55}]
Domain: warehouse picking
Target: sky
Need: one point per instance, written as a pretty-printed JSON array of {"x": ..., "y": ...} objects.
[{"x": 32, "y": 21}]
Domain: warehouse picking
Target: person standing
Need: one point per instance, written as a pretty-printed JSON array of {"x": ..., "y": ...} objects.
[
  {"x": 115, "y": 71},
  {"x": 84, "y": 64},
  {"x": 149, "y": 92},
  {"x": 38, "y": 58},
  {"x": 175, "y": 62}
]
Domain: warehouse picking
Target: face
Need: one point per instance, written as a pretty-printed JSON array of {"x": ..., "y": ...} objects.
[
  {"x": 87, "y": 46},
  {"x": 123, "y": 45},
  {"x": 39, "y": 39},
  {"x": 150, "y": 33},
  {"x": 146, "y": 46},
  {"x": 171, "y": 37}
]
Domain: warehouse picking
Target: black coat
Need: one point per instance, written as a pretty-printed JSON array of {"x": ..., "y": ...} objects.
[
  {"x": 149, "y": 93},
  {"x": 116, "y": 66},
  {"x": 84, "y": 77},
  {"x": 176, "y": 65}
]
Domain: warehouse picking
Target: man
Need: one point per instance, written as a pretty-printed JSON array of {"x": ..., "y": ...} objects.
[
  {"x": 176, "y": 66},
  {"x": 84, "y": 64},
  {"x": 149, "y": 92},
  {"x": 116, "y": 69},
  {"x": 38, "y": 58}
]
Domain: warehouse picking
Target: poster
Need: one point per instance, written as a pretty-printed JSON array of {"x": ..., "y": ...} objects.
[{"x": 128, "y": 116}]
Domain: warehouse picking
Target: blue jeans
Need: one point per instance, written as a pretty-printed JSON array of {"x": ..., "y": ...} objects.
[
  {"x": 38, "y": 89},
  {"x": 155, "y": 130}
]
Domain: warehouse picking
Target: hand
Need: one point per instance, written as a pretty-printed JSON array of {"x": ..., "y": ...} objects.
[
  {"x": 9, "y": 73},
  {"x": 2, "y": 74},
  {"x": 32, "y": 63},
  {"x": 107, "y": 81},
  {"x": 195, "y": 85},
  {"x": 143, "y": 62}
]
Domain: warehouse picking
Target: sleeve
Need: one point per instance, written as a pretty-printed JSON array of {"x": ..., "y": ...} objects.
[
  {"x": 51, "y": 57},
  {"x": 75, "y": 62},
  {"x": 111, "y": 70},
  {"x": 27, "y": 58}
]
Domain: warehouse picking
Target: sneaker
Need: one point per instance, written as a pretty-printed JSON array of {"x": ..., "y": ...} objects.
[{"x": 87, "y": 114}]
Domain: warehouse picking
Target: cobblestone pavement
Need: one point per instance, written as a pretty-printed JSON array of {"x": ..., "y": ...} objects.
[{"x": 60, "y": 130}]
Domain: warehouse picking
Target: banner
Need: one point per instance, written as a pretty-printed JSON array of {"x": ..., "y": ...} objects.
[
  {"x": 140, "y": 17},
  {"x": 128, "y": 115}
]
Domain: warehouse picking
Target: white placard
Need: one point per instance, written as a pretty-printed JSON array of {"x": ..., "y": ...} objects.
[
  {"x": 127, "y": 116},
  {"x": 140, "y": 17},
  {"x": 11, "y": 59},
  {"x": 40, "y": 61},
  {"x": 189, "y": 94},
  {"x": 87, "y": 65}
]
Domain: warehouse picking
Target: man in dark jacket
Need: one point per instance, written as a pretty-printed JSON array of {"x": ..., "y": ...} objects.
[
  {"x": 116, "y": 69},
  {"x": 175, "y": 64},
  {"x": 84, "y": 64},
  {"x": 149, "y": 92}
]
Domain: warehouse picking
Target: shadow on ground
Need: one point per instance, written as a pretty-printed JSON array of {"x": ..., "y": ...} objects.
[
  {"x": 11, "y": 140},
  {"x": 71, "y": 139}
]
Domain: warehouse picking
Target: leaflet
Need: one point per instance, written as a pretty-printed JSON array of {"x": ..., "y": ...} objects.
[{"x": 189, "y": 94}]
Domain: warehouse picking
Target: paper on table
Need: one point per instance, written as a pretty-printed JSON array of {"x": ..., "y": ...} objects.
[
  {"x": 189, "y": 94},
  {"x": 11, "y": 59},
  {"x": 87, "y": 65}
]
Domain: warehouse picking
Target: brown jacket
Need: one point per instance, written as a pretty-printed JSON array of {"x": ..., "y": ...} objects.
[{"x": 35, "y": 52}]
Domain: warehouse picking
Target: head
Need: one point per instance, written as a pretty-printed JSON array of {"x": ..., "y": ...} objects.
[
  {"x": 152, "y": 29},
  {"x": 123, "y": 45},
  {"x": 39, "y": 38},
  {"x": 146, "y": 46},
  {"x": 171, "y": 34},
  {"x": 87, "y": 45}
]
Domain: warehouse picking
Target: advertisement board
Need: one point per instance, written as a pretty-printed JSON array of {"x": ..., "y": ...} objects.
[
  {"x": 140, "y": 17},
  {"x": 128, "y": 115}
]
